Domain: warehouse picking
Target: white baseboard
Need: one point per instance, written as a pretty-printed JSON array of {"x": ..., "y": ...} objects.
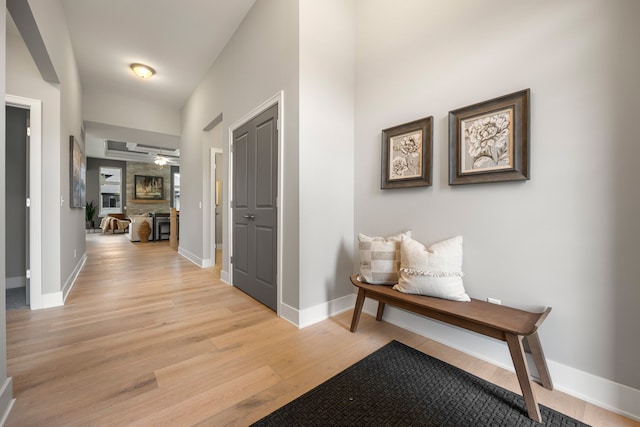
[
  {"x": 71, "y": 281},
  {"x": 53, "y": 299},
  {"x": 16, "y": 282},
  {"x": 6, "y": 400},
  {"x": 601, "y": 392},
  {"x": 317, "y": 313},
  {"x": 224, "y": 277},
  {"x": 191, "y": 257},
  {"x": 320, "y": 312},
  {"x": 290, "y": 314},
  {"x": 583, "y": 385}
]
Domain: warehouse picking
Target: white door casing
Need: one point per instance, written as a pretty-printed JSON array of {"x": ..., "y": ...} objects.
[{"x": 35, "y": 193}]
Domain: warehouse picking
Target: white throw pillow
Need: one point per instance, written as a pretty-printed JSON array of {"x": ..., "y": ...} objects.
[
  {"x": 380, "y": 258},
  {"x": 436, "y": 271}
]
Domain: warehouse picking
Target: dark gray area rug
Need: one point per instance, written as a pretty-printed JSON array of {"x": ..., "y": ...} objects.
[
  {"x": 16, "y": 298},
  {"x": 400, "y": 386}
]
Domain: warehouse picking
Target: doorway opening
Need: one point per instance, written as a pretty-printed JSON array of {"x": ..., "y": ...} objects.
[
  {"x": 217, "y": 184},
  {"x": 30, "y": 200},
  {"x": 16, "y": 210},
  {"x": 212, "y": 195}
]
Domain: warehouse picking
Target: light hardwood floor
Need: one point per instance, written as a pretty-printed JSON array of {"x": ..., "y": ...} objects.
[{"x": 148, "y": 338}]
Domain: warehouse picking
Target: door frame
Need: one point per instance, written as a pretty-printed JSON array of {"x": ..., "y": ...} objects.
[
  {"x": 212, "y": 180},
  {"x": 35, "y": 193},
  {"x": 277, "y": 99}
]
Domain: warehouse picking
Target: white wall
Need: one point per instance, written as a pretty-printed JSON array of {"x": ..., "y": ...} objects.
[
  {"x": 6, "y": 387},
  {"x": 567, "y": 238},
  {"x": 327, "y": 89},
  {"x": 63, "y": 235},
  {"x": 260, "y": 60},
  {"x": 24, "y": 79},
  {"x": 129, "y": 112}
]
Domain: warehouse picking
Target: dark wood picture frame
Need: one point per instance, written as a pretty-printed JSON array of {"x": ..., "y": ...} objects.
[
  {"x": 489, "y": 141},
  {"x": 78, "y": 173},
  {"x": 146, "y": 187},
  {"x": 407, "y": 155}
]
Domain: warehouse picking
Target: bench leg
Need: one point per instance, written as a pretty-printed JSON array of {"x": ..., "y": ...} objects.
[
  {"x": 357, "y": 310},
  {"x": 522, "y": 372},
  {"x": 541, "y": 363},
  {"x": 380, "y": 310}
]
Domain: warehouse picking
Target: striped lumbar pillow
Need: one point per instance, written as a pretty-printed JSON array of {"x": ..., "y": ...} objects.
[{"x": 380, "y": 258}]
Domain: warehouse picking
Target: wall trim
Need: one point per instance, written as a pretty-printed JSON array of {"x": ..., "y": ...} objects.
[
  {"x": 290, "y": 314},
  {"x": 320, "y": 312},
  {"x": 16, "y": 282},
  {"x": 200, "y": 262},
  {"x": 71, "y": 281},
  {"x": 317, "y": 313},
  {"x": 53, "y": 299},
  {"x": 601, "y": 392},
  {"x": 224, "y": 277},
  {"x": 192, "y": 257},
  {"x": 6, "y": 400}
]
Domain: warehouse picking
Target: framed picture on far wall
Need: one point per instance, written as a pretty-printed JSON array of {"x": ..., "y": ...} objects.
[
  {"x": 148, "y": 187},
  {"x": 489, "y": 141},
  {"x": 78, "y": 174},
  {"x": 407, "y": 155}
]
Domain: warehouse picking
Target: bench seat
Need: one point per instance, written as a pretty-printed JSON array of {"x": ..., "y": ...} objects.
[{"x": 507, "y": 324}]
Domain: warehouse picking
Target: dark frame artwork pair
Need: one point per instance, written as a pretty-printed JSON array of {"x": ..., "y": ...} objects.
[
  {"x": 488, "y": 142},
  {"x": 146, "y": 187}
]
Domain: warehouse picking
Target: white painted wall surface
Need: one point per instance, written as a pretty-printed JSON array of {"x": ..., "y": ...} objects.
[
  {"x": 327, "y": 85},
  {"x": 6, "y": 386},
  {"x": 70, "y": 237},
  {"x": 567, "y": 238},
  {"x": 118, "y": 109},
  {"x": 24, "y": 79},
  {"x": 260, "y": 60},
  {"x": 63, "y": 236}
]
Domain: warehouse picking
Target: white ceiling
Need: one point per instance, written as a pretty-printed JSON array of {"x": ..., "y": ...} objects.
[{"x": 180, "y": 39}]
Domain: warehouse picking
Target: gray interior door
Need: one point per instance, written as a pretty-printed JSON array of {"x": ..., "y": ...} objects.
[{"x": 255, "y": 184}]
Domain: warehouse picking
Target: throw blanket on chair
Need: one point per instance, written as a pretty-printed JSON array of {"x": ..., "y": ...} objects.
[{"x": 113, "y": 224}]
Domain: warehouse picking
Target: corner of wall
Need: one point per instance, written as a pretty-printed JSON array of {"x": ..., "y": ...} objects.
[
  {"x": 6, "y": 400},
  {"x": 317, "y": 313}
]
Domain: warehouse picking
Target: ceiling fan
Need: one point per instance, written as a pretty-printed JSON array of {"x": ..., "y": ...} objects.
[
  {"x": 162, "y": 157},
  {"x": 131, "y": 151},
  {"x": 163, "y": 160}
]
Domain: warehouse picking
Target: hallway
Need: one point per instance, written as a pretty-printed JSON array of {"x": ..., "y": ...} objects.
[{"x": 148, "y": 338}]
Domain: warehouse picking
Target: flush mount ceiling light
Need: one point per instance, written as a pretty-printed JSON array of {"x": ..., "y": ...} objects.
[{"x": 142, "y": 71}]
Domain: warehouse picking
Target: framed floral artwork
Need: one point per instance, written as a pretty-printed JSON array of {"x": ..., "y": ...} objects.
[
  {"x": 489, "y": 141},
  {"x": 407, "y": 155}
]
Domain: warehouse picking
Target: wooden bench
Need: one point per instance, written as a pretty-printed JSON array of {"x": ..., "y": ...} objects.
[{"x": 497, "y": 321}]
